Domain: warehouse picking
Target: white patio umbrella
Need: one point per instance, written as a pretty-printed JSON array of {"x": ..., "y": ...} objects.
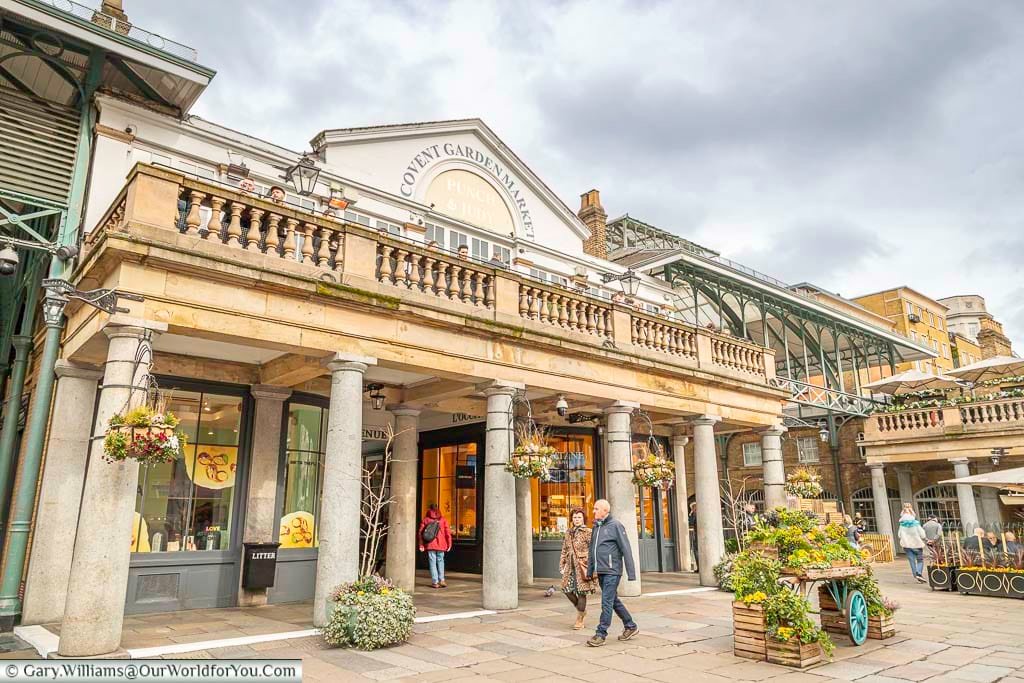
[
  {"x": 911, "y": 381},
  {"x": 1012, "y": 480},
  {"x": 990, "y": 368}
]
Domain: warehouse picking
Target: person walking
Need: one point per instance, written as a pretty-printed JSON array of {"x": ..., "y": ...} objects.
[
  {"x": 436, "y": 538},
  {"x": 573, "y": 565},
  {"x": 912, "y": 538},
  {"x": 609, "y": 552},
  {"x": 932, "y": 536},
  {"x": 852, "y": 532}
]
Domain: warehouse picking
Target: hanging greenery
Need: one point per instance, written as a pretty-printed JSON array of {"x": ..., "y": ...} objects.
[
  {"x": 533, "y": 457},
  {"x": 653, "y": 469},
  {"x": 804, "y": 483},
  {"x": 142, "y": 434}
]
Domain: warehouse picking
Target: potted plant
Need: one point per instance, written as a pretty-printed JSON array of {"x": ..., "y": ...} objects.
[
  {"x": 942, "y": 570},
  {"x": 532, "y": 458},
  {"x": 653, "y": 469},
  {"x": 803, "y": 483},
  {"x": 369, "y": 614},
  {"x": 793, "y": 638},
  {"x": 142, "y": 434}
]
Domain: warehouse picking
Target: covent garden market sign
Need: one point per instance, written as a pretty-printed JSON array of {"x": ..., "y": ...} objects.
[{"x": 475, "y": 205}]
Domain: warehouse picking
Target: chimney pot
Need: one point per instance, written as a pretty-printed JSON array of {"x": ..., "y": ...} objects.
[{"x": 594, "y": 217}]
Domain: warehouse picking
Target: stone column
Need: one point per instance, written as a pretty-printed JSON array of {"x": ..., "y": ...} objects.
[
  {"x": 500, "y": 577},
  {"x": 965, "y": 496},
  {"x": 49, "y": 565},
  {"x": 262, "y": 515},
  {"x": 338, "y": 559},
  {"x": 880, "y": 496},
  {"x": 684, "y": 552},
  {"x": 621, "y": 490},
  {"x": 906, "y": 486},
  {"x": 402, "y": 517},
  {"x": 774, "y": 471},
  {"x": 710, "y": 537},
  {"x": 94, "y": 608},
  {"x": 991, "y": 512},
  {"x": 524, "y": 531}
]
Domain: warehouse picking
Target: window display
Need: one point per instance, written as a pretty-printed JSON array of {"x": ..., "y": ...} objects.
[
  {"x": 303, "y": 480},
  {"x": 449, "y": 479},
  {"x": 187, "y": 504},
  {"x": 571, "y": 485}
]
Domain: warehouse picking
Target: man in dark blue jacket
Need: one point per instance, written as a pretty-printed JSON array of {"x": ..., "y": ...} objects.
[{"x": 609, "y": 551}]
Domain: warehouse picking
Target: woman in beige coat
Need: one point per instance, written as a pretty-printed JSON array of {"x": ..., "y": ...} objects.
[{"x": 573, "y": 565}]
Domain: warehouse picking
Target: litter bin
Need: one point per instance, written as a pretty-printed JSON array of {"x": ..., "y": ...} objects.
[{"x": 259, "y": 565}]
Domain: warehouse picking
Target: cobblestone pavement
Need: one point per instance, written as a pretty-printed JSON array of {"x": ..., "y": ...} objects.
[{"x": 686, "y": 638}]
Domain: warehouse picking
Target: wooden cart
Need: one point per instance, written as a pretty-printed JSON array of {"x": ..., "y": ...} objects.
[{"x": 853, "y": 607}]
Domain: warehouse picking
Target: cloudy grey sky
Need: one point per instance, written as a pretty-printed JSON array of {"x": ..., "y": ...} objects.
[{"x": 857, "y": 145}]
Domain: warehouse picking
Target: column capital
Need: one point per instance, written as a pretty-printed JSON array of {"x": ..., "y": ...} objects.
[
  {"x": 876, "y": 465},
  {"x": 500, "y": 387},
  {"x": 774, "y": 430},
  {"x": 21, "y": 343},
  {"x": 706, "y": 420},
  {"x": 621, "y": 407},
  {"x": 120, "y": 321},
  {"x": 65, "y": 368},
  {"x": 348, "y": 361},
  {"x": 404, "y": 411},
  {"x": 959, "y": 461},
  {"x": 270, "y": 392}
]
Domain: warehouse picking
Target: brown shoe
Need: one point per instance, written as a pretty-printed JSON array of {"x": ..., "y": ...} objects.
[
  {"x": 435, "y": 585},
  {"x": 444, "y": 585},
  {"x": 629, "y": 633},
  {"x": 579, "y": 621},
  {"x": 596, "y": 641}
]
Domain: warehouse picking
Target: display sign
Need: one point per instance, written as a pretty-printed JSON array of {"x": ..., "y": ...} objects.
[{"x": 465, "y": 477}]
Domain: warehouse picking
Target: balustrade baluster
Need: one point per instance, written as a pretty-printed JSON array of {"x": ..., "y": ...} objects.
[
  {"x": 599, "y": 321},
  {"x": 252, "y": 235},
  {"x": 288, "y": 248},
  {"x": 323, "y": 254},
  {"x": 384, "y": 266},
  {"x": 489, "y": 290},
  {"x": 235, "y": 224},
  {"x": 271, "y": 242},
  {"x": 429, "y": 283},
  {"x": 524, "y": 303},
  {"x": 591, "y": 325},
  {"x": 416, "y": 272},
  {"x": 545, "y": 302},
  {"x": 194, "y": 218},
  {"x": 307, "y": 243},
  {"x": 563, "y": 310},
  {"x": 401, "y": 271},
  {"x": 214, "y": 225}
]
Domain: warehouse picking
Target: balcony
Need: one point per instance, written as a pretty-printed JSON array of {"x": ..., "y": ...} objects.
[
  {"x": 184, "y": 223},
  {"x": 951, "y": 431}
]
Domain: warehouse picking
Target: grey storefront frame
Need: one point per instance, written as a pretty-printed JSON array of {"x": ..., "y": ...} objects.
[{"x": 172, "y": 581}]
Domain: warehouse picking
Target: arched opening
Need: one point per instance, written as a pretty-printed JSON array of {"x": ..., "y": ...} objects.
[
  {"x": 864, "y": 503},
  {"x": 940, "y": 500}
]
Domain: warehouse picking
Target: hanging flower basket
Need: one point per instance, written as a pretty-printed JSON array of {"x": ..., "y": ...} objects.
[
  {"x": 654, "y": 471},
  {"x": 532, "y": 458},
  {"x": 142, "y": 434},
  {"x": 804, "y": 484}
]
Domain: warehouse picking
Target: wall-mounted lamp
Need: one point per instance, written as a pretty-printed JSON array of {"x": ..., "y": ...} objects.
[
  {"x": 376, "y": 397},
  {"x": 998, "y": 453},
  {"x": 629, "y": 280}
]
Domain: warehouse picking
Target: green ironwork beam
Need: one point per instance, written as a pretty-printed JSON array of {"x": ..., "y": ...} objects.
[{"x": 138, "y": 81}]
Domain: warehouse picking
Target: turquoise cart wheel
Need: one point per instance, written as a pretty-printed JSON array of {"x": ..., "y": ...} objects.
[{"x": 857, "y": 617}]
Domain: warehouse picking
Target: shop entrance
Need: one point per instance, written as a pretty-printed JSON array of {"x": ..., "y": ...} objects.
[{"x": 657, "y": 540}]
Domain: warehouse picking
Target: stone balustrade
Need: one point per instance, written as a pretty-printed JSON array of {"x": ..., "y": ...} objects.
[
  {"x": 662, "y": 335},
  {"x": 562, "y": 308},
  {"x": 737, "y": 355},
  {"x": 433, "y": 272},
  {"x": 978, "y": 418},
  {"x": 908, "y": 421},
  {"x": 205, "y": 217},
  {"x": 998, "y": 412}
]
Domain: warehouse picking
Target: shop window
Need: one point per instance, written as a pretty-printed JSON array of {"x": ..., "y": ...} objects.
[
  {"x": 186, "y": 504},
  {"x": 435, "y": 233},
  {"x": 807, "y": 449},
  {"x": 571, "y": 486},
  {"x": 303, "y": 475},
  {"x": 752, "y": 454},
  {"x": 449, "y": 479}
]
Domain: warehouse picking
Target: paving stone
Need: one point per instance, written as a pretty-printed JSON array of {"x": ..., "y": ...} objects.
[
  {"x": 628, "y": 663},
  {"x": 918, "y": 671},
  {"x": 848, "y": 670},
  {"x": 982, "y": 673},
  {"x": 958, "y": 655}
]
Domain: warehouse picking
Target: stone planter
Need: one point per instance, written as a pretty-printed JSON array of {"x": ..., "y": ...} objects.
[
  {"x": 942, "y": 578},
  {"x": 749, "y": 631},
  {"x": 794, "y": 653}
]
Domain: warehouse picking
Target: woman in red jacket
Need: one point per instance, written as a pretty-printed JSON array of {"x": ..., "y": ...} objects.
[{"x": 436, "y": 538}]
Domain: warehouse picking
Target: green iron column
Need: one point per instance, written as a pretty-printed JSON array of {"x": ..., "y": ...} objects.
[{"x": 25, "y": 495}]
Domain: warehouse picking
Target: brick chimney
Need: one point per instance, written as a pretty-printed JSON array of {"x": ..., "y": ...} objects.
[
  {"x": 594, "y": 217},
  {"x": 992, "y": 340}
]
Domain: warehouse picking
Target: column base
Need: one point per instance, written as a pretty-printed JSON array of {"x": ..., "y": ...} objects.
[
  {"x": 119, "y": 653},
  {"x": 8, "y": 622}
]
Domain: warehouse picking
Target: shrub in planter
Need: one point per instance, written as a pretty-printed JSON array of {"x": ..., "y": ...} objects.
[
  {"x": 369, "y": 614},
  {"x": 723, "y": 572},
  {"x": 142, "y": 434},
  {"x": 803, "y": 483}
]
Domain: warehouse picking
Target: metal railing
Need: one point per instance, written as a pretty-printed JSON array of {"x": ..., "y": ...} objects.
[
  {"x": 124, "y": 28},
  {"x": 821, "y": 397}
]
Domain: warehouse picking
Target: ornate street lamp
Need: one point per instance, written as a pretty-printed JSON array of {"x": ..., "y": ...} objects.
[
  {"x": 303, "y": 175},
  {"x": 629, "y": 280}
]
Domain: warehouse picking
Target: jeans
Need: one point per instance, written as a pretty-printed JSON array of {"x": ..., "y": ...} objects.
[
  {"x": 609, "y": 602},
  {"x": 915, "y": 556},
  {"x": 436, "y": 560}
]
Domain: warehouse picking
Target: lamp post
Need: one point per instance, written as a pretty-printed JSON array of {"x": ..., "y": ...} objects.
[
  {"x": 303, "y": 175},
  {"x": 629, "y": 280}
]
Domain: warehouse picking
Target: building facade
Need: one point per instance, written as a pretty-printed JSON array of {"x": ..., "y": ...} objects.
[{"x": 918, "y": 317}]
